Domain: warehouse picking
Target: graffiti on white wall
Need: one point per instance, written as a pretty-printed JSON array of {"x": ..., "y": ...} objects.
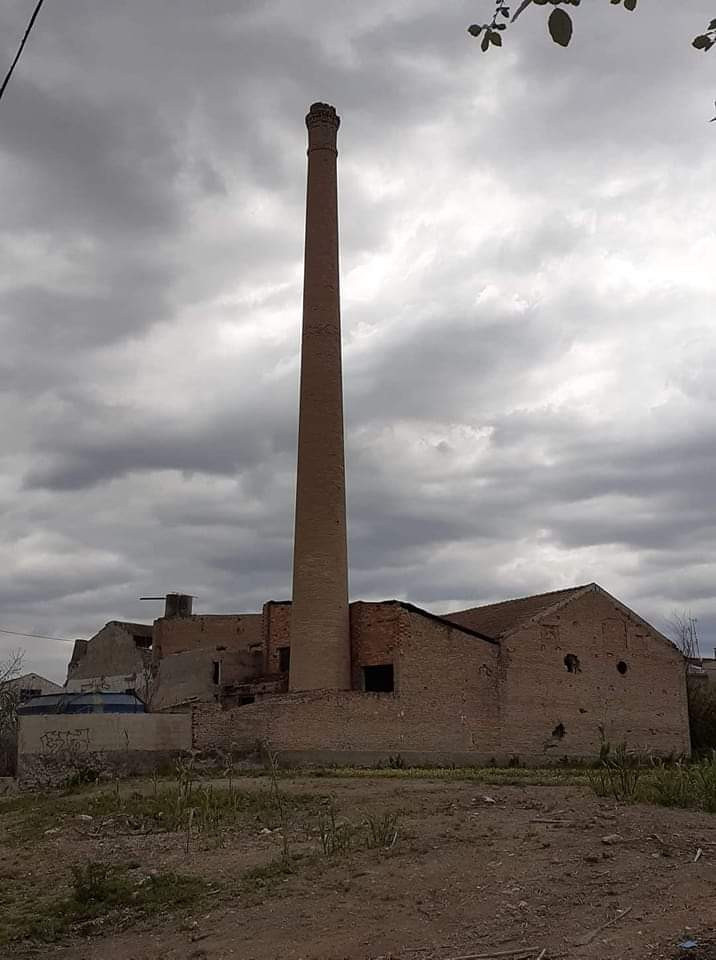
[{"x": 67, "y": 742}]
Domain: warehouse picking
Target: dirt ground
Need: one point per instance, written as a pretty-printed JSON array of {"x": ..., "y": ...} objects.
[{"x": 475, "y": 870}]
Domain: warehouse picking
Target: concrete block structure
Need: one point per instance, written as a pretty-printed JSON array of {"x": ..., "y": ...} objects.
[{"x": 52, "y": 749}]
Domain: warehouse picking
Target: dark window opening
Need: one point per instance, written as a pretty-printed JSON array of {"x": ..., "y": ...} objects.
[
  {"x": 247, "y": 699},
  {"x": 27, "y": 693},
  {"x": 378, "y": 679},
  {"x": 559, "y": 731},
  {"x": 217, "y": 672},
  {"x": 145, "y": 643},
  {"x": 571, "y": 662},
  {"x": 622, "y": 667},
  {"x": 284, "y": 659}
]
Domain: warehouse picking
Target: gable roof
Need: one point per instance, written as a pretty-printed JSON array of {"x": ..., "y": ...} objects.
[
  {"x": 28, "y": 678},
  {"x": 446, "y": 621},
  {"x": 497, "y": 619}
]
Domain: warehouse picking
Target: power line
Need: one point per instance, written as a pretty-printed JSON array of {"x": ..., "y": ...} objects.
[
  {"x": 7, "y": 80},
  {"x": 36, "y": 636}
]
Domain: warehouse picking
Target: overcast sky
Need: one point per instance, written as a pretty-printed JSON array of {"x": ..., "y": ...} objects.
[{"x": 528, "y": 277}]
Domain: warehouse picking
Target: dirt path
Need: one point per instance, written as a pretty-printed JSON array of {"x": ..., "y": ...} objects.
[{"x": 465, "y": 876}]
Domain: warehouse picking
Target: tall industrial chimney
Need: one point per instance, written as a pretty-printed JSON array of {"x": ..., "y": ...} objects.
[{"x": 320, "y": 635}]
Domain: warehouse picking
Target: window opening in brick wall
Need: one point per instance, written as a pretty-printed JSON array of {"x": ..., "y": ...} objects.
[
  {"x": 559, "y": 731},
  {"x": 143, "y": 643},
  {"x": 284, "y": 659},
  {"x": 571, "y": 662},
  {"x": 247, "y": 699},
  {"x": 216, "y": 679},
  {"x": 378, "y": 679},
  {"x": 622, "y": 667}
]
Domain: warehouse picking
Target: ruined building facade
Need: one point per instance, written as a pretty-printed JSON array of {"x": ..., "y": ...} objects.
[
  {"x": 536, "y": 679},
  {"x": 118, "y": 658},
  {"x": 539, "y": 678}
]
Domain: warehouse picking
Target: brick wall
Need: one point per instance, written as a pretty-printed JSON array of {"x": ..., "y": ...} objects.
[
  {"x": 186, "y": 650},
  {"x": 374, "y": 636},
  {"x": 550, "y": 713},
  {"x": 443, "y": 714},
  {"x": 179, "y": 634},
  {"x": 276, "y": 633}
]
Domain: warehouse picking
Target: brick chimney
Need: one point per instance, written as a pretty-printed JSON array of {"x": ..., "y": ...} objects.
[
  {"x": 320, "y": 636},
  {"x": 178, "y": 605}
]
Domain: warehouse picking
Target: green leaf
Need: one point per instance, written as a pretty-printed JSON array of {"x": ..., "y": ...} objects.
[
  {"x": 485, "y": 41},
  {"x": 474, "y": 30},
  {"x": 495, "y": 38},
  {"x": 703, "y": 42},
  {"x": 560, "y": 27},
  {"x": 630, "y": 4}
]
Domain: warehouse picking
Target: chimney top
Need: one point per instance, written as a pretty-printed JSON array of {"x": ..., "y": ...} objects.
[{"x": 322, "y": 113}]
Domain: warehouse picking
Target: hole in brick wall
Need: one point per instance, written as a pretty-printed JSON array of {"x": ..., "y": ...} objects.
[
  {"x": 284, "y": 659},
  {"x": 571, "y": 662},
  {"x": 216, "y": 676},
  {"x": 378, "y": 679},
  {"x": 559, "y": 731},
  {"x": 622, "y": 667},
  {"x": 142, "y": 643},
  {"x": 242, "y": 701}
]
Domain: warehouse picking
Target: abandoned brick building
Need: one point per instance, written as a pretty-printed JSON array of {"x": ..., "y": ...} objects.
[
  {"x": 539, "y": 678},
  {"x": 318, "y": 678}
]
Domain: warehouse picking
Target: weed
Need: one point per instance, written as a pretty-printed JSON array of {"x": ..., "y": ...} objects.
[
  {"x": 684, "y": 785},
  {"x": 279, "y": 799},
  {"x": 382, "y": 831},
  {"x": 336, "y": 836},
  {"x": 92, "y": 881},
  {"x": 264, "y": 877},
  {"x": 100, "y": 891},
  {"x": 81, "y": 776}
]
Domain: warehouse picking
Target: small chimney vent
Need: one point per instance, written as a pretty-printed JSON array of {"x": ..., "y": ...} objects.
[{"x": 178, "y": 605}]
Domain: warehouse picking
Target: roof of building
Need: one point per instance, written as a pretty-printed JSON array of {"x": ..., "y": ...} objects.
[
  {"x": 141, "y": 629},
  {"x": 464, "y": 628},
  {"x": 497, "y": 619},
  {"x": 27, "y": 678},
  {"x": 83, "y": 703}
]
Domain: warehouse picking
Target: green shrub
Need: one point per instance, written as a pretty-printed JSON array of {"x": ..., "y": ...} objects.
[{"x": 618, "y": 773}]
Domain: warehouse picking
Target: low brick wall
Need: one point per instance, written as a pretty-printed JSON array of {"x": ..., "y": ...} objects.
[
  {"x": 342, "y": 727},
  {"x": 52, "y": 749}
]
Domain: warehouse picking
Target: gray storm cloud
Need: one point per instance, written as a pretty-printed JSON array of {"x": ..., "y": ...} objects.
[{"x": 527, "y": 254}]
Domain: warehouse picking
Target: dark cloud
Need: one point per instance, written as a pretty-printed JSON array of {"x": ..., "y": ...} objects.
[{"x": 527, "y": 301}]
